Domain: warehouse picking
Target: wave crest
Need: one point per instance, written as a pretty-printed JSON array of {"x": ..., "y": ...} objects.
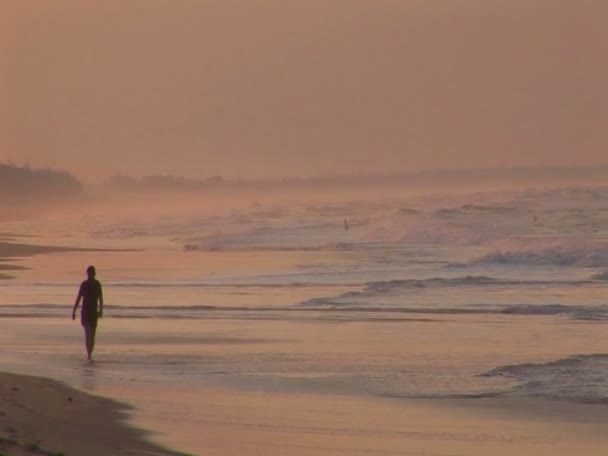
[
  {"x": 603, "y": 276},
  {"x": 580, "y": 378},
  {"x": 578, "y": 257}
]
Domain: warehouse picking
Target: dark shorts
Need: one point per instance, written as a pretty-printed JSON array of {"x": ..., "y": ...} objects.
[{"x": 88, "y": 317}]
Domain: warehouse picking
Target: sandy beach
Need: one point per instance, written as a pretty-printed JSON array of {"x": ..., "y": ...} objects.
[{"x": 40, "y": 416}]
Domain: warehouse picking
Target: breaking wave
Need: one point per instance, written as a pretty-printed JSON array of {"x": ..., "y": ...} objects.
[
  {"x": 572, "y": 312},
  {"x": 579, "y": 378},
  {"x": 468, "y": 281},
  {"x": 372, "y": 288},
  {"x": 603, "y": 276},
  {"x": 577, "y": 257},
  {"x": 481, "y": 209}
]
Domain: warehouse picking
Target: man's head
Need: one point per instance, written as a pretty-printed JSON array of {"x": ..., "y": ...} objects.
[{"x": 91, "y": 271}]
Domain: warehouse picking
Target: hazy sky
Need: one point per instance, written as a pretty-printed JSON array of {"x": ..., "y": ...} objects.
[{"x": 265, "y": 88}]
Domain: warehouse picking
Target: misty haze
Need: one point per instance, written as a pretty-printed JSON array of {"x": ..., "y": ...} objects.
[{"x": 303, "y": 228}]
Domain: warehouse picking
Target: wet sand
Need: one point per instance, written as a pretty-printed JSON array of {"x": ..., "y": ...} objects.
[
  {"x": 273, "y": 415},
  {"x": 10, "y": 250},
  {"x": 234, "y": 423},
  {"x": 39, "y": 416},
  {"x": 16, "y": 249}
]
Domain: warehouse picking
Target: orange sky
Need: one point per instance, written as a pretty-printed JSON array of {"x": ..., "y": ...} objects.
[{"x": 266, "y": 88}]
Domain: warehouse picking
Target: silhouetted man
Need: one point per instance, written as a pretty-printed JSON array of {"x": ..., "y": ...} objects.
[{"x": 91, "y": 294}]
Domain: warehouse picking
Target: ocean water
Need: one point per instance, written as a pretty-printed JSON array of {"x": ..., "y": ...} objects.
[{"x": 435, "y": 295}]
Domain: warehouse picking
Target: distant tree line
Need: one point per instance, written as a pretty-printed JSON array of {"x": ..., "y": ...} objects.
[
  {"x": 421, "y": 179},
  {"x": 24, "y": 182},
  {"x": 163, "y": 182}
]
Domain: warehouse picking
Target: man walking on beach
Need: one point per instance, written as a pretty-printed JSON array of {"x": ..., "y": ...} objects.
[{"x": 90, "y": 293}]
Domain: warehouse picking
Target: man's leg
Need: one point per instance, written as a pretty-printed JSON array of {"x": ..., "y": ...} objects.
[{"x": 89, "y": 335}]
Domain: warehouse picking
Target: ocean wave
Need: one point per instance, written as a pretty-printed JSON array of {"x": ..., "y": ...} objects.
[
  {"x": 580, "y": 378},
  {"x": 433, "y": 282},
  {"x": 322, "y": 308},
  {"x": 568, "y": 193},
  {"x": 408, "y": 211},
  {"x": 481, "y": 209},
  {"x": 113, "y": 232},
  {"x": 269, "y": 282},
  {"x": 603, "y": 276},
  {"x": 544, "y": 309},
  {"x": 431, "y": 233},
  {"x": 464, "y": 281},
  {"x": 572, "y": 312},
  {"x": 226, "y": 247},
  {"x": 577, "y": 257},
  {"x": 230, "y": 284},
  {"x": 378, "y": 288},
  {"x": 202, "y": 312}
]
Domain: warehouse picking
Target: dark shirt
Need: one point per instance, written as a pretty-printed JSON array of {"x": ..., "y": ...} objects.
[{"x": 90, "y": 290}]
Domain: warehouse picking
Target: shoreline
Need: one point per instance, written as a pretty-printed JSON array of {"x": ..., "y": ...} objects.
[
  {"x": 42, "y": 416},
  {"x": 11, "y": 251},
  {"x": 305, "y": 424}
]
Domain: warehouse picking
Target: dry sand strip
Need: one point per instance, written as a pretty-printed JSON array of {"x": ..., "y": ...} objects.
[
  {"x": 9, "y": 251},
  {"x": 40, "y": 416},
  {"x": 17, "y": 249}
]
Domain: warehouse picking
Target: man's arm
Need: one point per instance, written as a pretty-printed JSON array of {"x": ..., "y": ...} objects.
[
  {"x": 78, "y": 298},
  {"x": 100, "y": 301}
]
